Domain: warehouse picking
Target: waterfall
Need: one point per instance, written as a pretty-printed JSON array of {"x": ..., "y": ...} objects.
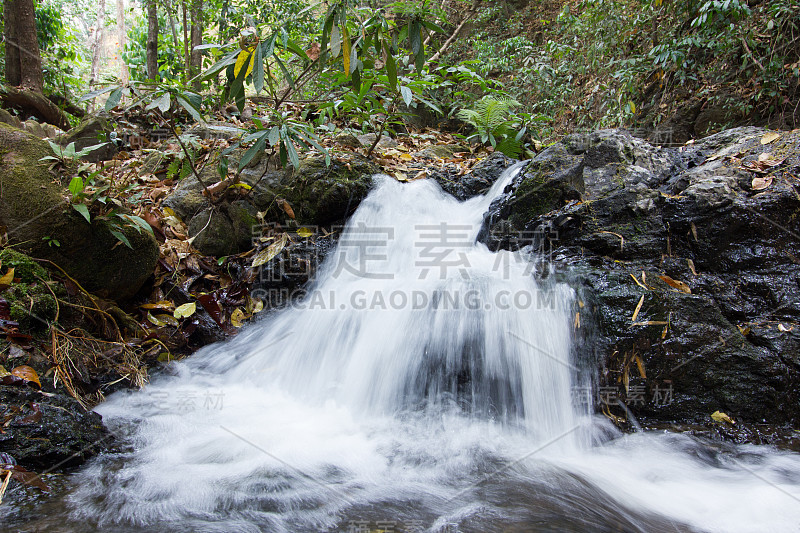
[{"x": 424, "y": 383}]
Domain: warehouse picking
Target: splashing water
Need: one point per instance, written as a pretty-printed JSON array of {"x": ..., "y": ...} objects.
[{"x": 422, "y": 385}]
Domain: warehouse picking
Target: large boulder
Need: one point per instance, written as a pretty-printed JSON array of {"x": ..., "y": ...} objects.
[
  {"x": 93, "y": 130},
  {"x": 36, "y": 216},
  {"x": 686, "y": 261},
  {"x": 318, "y": 195}
]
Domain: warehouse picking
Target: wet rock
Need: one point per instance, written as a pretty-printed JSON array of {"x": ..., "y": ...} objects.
[
  {"x": 34, "y": 211},
  {"x": 48, "y": 431},
  {"x": 715, "y": 264},
  {"x": 477, "y": 182}
]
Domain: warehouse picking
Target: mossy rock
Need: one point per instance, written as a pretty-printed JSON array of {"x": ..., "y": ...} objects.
[
  {"x": 25, "y": 268},
  {"x": 318, "y": 193},
  {"x": 91, "y": 131},
  {"x": 34, "y": 211}
]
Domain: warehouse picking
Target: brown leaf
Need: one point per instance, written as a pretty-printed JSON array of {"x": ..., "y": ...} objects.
[
  {"x": 760, "y": 183},
  {"x": 27, "y": 374},
  {"x": 283, "y": 204},
  {"x": 681, "y": 286}
]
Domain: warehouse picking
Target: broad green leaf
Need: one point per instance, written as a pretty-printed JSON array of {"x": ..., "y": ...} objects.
[
  {"x": 258, "y": 71},
  {"x": 391, "y": 70},
  {"x": 184, "y": 103},
  {"x": 293, "y": 157},
  {"x": 217, "y": 67},
  {"x": 414, "y": 36},
  {"x": 95, "y": 94},
  {"x": 336, "y": 41},
  {"x": 83, "y": 210},
  {"x": 253, "y": 150},
  {"x": 162, "y": 103},
  {"x": 408, "y": 96},
  {"x": 76, "y": 186},
  {"x": 113, "y": 99}
]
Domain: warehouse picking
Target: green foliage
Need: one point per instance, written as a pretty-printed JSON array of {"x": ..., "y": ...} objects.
[{"x": 496, "y": 124}]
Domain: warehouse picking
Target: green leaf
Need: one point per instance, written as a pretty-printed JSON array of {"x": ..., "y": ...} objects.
[
  {"x": 84, "y": 211},
  {"x": 286, "y": 73},
  {"x": 217, "y": 67},
  {"x": 113, "y": 99},
  {"x": 76, "y": 186},
  {"x": 258, "y": 71},
  {"x": 122, "y": 238},
  {"x": 253, "y": 150},
  {"x": 162, "y": 103},
  {"x": 391, "y": 70},
  {"x": 414, "y": 36},
  {"x": 408, "y": 96},
  {"x": 433, "y": 26},
  {"x": 190, "y": 108},
  {"x": 95, "y": 94},
  {"x": 336, "y": 41}
]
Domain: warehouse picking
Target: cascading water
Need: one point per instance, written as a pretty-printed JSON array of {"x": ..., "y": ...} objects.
[{"x": 423, "y": 384}]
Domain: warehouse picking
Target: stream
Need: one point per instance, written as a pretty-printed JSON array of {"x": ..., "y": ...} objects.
[{"x": 423, "y": 384}]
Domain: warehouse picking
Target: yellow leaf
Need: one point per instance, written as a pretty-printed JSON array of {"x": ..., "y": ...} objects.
[
  {"x": 783, "y": 328},
  {"x": 640, "y": 366},
  {"x": 304, "y": 233},
  {"x": 769, "y": 137},
  {"x": 237, "y": 318},
  {"x": 346, "y": 49},
  {"x": 163, "y": 304},
  {"x": 664, "y": 333},
  {"x": 7, "y": 280},
  {"x": 258, "y": 306},
  {"x": 266, "y": 255},
  {"x": 638, "y": 308},
  {"x": 401, "y": 176},
  {"x": 681, "y": 286},
  {"x": 244, "y": 56},
  {"x": 185, "y": 310},
  {"x": 719, "y": 416},
  {"x": 691, "y": 266},
  {"x": 650, "y": 323},
  {"x": 577, "y": 323},
  {"x": 405, "y": 157},
  {"x": 639, "y": 283},
  {"x": 3, "y": 371},
  {"x": 162, "y": 320}
]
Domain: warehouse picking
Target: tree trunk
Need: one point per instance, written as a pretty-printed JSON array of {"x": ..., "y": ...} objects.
[
  {"x": 152, "y": 40},
  {"x": 97, "y": 43},
  {"x": 36, "y": 104},
  {"x": 23, "y": 63},
  {"x": 187, "y": 60},
  {"x": 196, "y": 56},
  {"x": 13, "y": 75},
  {"x": 124, "y": 74}
]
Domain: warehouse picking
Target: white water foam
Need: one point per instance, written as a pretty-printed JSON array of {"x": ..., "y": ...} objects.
[{"x": 453, "y": 415}]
